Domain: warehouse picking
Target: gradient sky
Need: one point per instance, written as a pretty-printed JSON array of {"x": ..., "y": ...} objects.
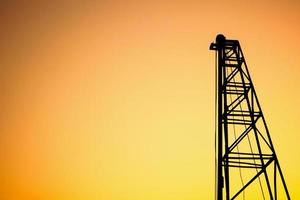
[{"x": 114, "y": 100}]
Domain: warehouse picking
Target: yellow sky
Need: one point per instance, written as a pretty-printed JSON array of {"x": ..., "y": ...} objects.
[{"x": 114, "y": 100}]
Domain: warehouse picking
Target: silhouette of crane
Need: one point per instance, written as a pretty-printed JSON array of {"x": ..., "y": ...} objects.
[{"x": 246, "y": 162}]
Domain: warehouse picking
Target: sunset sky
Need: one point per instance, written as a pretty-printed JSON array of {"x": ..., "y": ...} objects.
[{"x": 114, "y": 100}]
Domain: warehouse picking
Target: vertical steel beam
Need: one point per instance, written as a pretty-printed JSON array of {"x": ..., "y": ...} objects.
[{"x": 220, "y": 40}]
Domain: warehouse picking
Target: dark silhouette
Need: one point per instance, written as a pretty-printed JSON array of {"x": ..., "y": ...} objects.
[{"x": 243, "y": 142}]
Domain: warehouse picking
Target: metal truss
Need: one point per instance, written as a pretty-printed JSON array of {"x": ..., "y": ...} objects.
[{"x": 244, "y": 145}]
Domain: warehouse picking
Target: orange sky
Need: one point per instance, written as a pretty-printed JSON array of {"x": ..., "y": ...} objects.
[{"x": 114, "y": 100}]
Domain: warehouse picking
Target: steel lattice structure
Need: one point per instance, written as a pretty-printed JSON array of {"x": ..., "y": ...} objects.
[{"x": 245, "y": 154}]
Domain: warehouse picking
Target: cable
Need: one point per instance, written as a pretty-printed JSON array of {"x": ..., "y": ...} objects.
[
  {"x": 234, "y": 131},
  {"x": 216, "y": 93}
]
